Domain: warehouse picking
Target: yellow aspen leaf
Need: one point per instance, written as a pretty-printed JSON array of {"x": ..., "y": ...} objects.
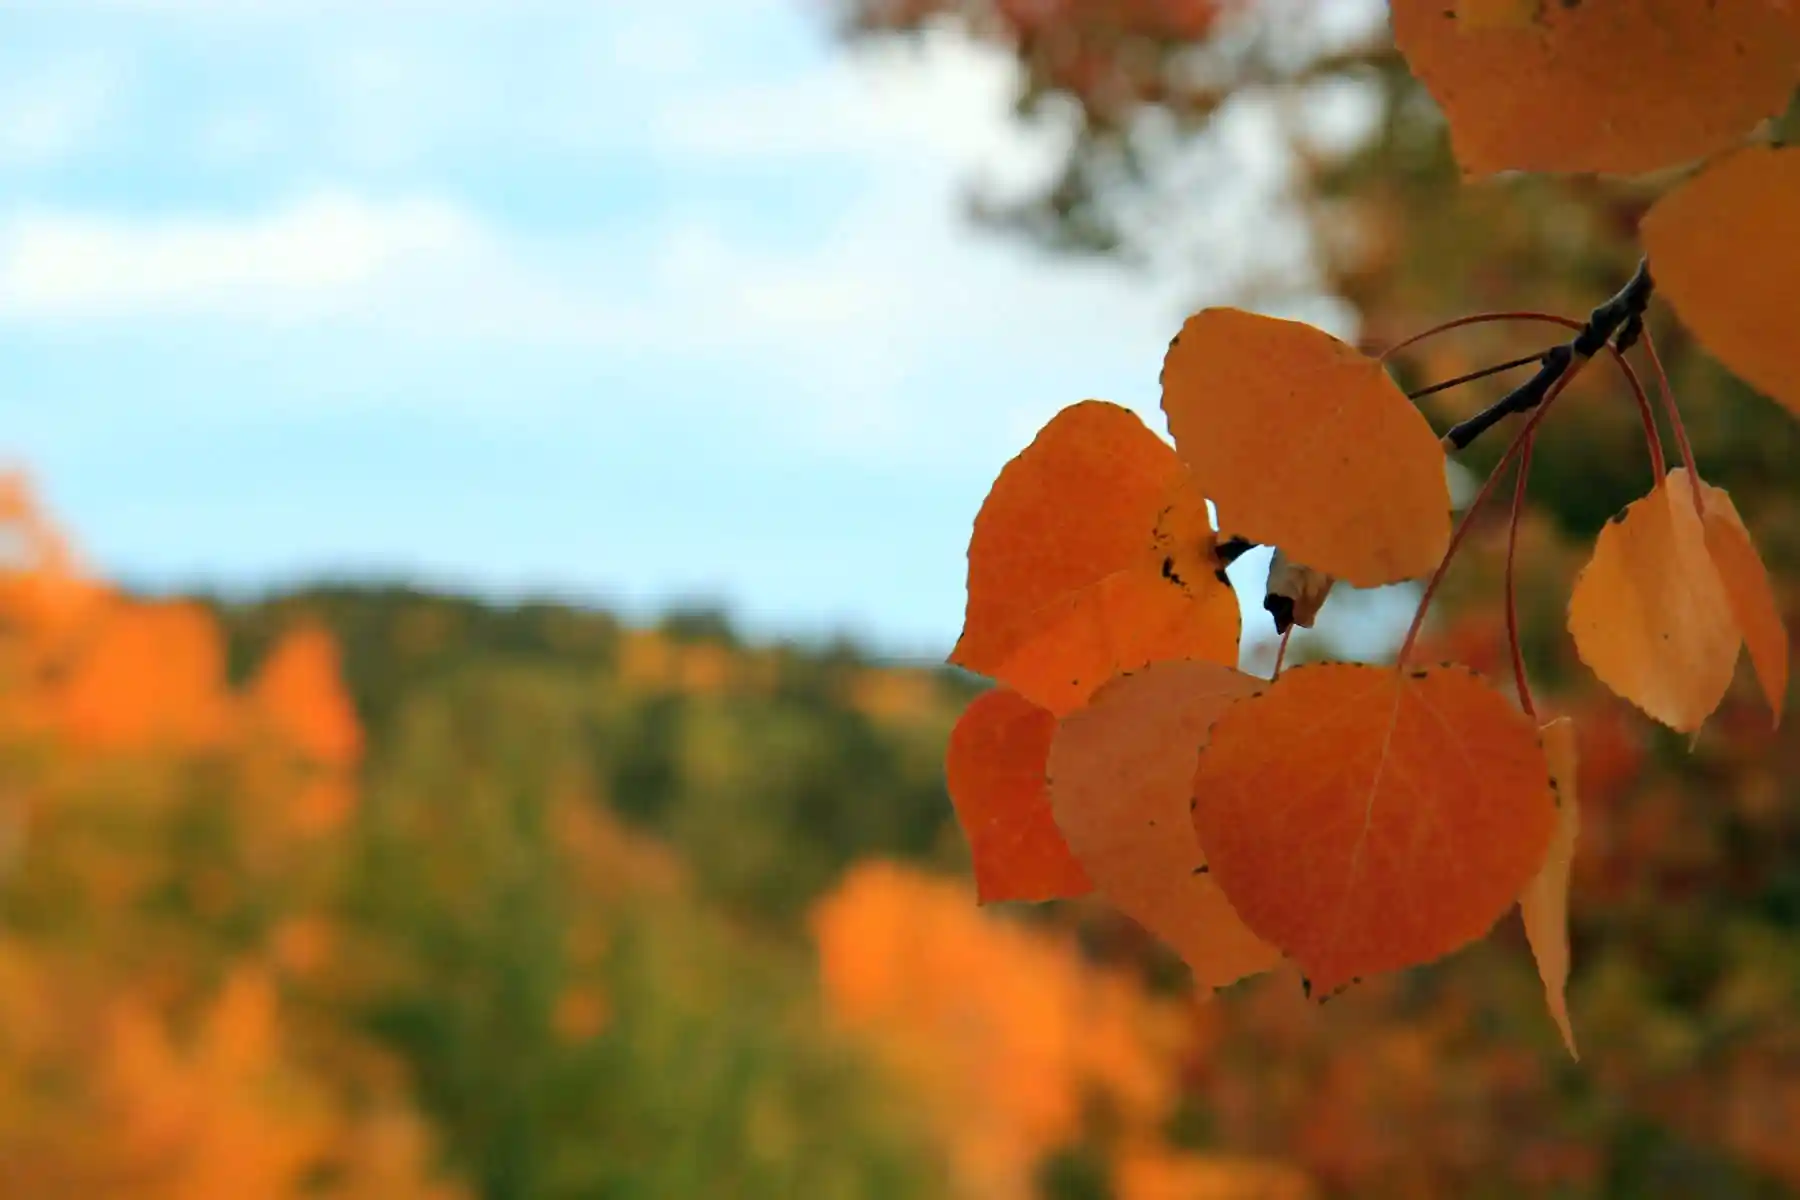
[
  {"x": 1091, "y": 555},
  {"x": 994, "y": 769},
  {"x": 1613, "y": 88},
  {"x": 1544, "y": 904},
  {"x": 1747, "y": 589},
  {"x": 1649, "y": 614},
  {"x": 1121, "y": 782},
  {"x": 1366, "y": 819},
  {"x": 1305, "y": 443},
  {"x": 1719, "y": 258}
]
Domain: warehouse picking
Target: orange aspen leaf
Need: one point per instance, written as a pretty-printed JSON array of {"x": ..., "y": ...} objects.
[
  {"x": 1366, "y": 819},
  {"x": 1305, "y": 443},
  {"x": 1730, "y": 276},
  {"x": 994, "y": 769},
  {"x": 1544, "y": 904},
  {"x": 1496, "y": 14},
  {"x": 1121, "y": 780},
  {"x": 1649, "y": 614},
  {"x": 1615, "y": 88},
  {"x": 1091, "y": 555},
  {"x": 1747, "y": 590}
]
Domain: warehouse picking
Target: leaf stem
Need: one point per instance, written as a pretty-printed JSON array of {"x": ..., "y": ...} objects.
[
  {"x": 1472, "y": 376},
  {"x": 1469, "y": 514},
  {"x": 1486, "y": 318},
  {"x": 1512, "y": 592},
  {"x": 1675, "y": 423}
]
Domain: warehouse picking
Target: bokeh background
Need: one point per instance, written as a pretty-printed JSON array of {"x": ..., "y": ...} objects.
[{"x": 487, "y": 490}]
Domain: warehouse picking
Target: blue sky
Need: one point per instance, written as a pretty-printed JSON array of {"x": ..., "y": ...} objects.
[{"x": 635, "y": 303}]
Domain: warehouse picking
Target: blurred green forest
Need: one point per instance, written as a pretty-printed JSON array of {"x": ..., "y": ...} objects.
[
  {"x": 742, "y": 758},
  {"x": 557, "y": 908},
  {"x": 760, "y": 773}
]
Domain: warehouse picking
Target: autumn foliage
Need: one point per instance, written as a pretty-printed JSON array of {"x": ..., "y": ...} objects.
[
  {"x": 202, "y": 1069},
  {"x": 1009, "y": 1040},
  {"x": 1352, "y": 818}
]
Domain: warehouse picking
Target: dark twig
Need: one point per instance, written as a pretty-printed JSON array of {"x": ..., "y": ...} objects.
[{"x": 1623, "y": 314}]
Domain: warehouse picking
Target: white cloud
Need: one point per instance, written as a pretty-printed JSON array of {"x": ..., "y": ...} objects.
[
  {"x": 307, "y": 260},
  {"x": 835, "y": 325},
  {"x": 938, "y": 101}
]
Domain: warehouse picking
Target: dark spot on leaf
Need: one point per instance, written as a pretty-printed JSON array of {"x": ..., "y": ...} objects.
[
  {"x": 1618, "y": 518},
  {"x": 1419, "y": 674},
  {"x": 1202, "y": 868},
  {"x": 1168, "y": 573},
  {"x": 1281, "y": 608},
  {"x": 1229, "y": 550},
  {"x": 1306, "y": 987}
]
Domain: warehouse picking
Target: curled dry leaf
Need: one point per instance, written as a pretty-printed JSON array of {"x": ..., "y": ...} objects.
[
  {"x": 1747, "y": 589},
  {"x": 1615, "y": 88},
  {"x": 1366, "y": 819},
  {"x": 1732, "y": 278},
  {"x": 1121, "y": 776},
  {"x": 1544, "y": 904},
  {"x": 1304, "y": 442},
  {"x": 1649, "y": 613},
  {"x": 1294, "y": 594},
  {"x": 1092, "y": 554},
  {"x": 994, "y": 769}
]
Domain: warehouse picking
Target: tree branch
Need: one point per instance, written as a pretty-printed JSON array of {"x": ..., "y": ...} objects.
[{"x": 1623, "y": 314}]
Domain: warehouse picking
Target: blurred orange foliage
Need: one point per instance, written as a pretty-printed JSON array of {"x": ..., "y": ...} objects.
[
  {"x": 1009, "y": 1037},
  {"x": 300, "y": 693},
  {"x": 142, "y": 1054}
]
